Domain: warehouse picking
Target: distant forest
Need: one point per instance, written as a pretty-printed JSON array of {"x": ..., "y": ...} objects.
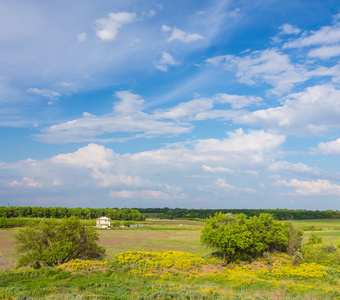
[
  {"x": 61, "y": 212},
  {"x": 280, "y": 214},
  {"x": 139, "y": 214}
]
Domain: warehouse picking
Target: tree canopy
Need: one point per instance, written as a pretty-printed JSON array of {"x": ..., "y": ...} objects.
[
  {"x": 54, "y": 242},
  {"x": 235, "y": 235}
]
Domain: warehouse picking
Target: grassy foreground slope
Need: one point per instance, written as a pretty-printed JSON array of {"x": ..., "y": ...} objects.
[{"x": 183, "y": 270}]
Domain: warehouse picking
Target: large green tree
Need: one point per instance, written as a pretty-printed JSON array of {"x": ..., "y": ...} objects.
[
  {"x": 236, "y": 235},
  {"x": 54, "y": 242}
]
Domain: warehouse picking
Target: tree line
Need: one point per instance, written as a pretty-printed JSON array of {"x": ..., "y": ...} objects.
[
  {"x": 279, "y": 214},
  {"x": 62, "y": 212}
]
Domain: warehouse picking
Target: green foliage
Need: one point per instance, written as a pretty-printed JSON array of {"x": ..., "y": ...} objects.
[
  {"x": 295, "y": 239},
  {"x": 55, "y": 242},
  {"x": 314, "y": 239},
  {"x": 62, "y": 212},
  {"x": 279, "y": 214},
  {"x": 312, "y": 228},
  {"x": 235, "y": 235},
  {"x": 322, "y": 254},
  {"x": 4, "y": 223}
]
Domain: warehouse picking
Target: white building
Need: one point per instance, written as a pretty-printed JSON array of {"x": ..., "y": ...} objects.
[{"x": 103, "y": 222}]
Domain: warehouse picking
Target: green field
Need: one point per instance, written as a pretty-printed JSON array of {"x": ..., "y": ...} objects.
[{"x": 158, "y": 273}]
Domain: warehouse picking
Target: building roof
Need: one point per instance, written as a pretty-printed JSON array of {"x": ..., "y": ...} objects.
[{"x": 103, "y": 218}]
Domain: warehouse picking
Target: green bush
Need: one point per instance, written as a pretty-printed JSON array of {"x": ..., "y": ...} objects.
[
  {"x": 237, "y": 236},
  {"x": 55, "y": 242},
  {"x": 322, "y": 254},
  {"x": 314, "y": 239},
  {"x": 4, "y": 223}
]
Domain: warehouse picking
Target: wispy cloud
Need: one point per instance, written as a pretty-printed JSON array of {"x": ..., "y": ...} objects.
[
  {"x": 44, "y": 93},
  {"x": 326, "y": 35},
  {"x": 82, "y": 37},
  {"x": 178, "y": 34},
  {"x": 325, "y": 52},
  {"x": 268, "y": 66},
  {"x": 127, "y": 117}
]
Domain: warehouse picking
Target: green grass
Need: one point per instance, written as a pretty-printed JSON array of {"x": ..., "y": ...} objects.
[{"x": 156, "y": 235}]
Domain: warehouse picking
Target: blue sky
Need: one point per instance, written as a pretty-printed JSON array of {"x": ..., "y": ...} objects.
[{"x": 193, "y": 104}]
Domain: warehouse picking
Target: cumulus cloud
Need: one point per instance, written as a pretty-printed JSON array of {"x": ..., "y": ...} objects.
[
  {"x": 107, "y": 28},
  {"x": 239, "y": 150},
  {"x": 165, "y": 61},
  {"x": 289, "y": 29},
  {"x": 221, "y": 183},
  {"x": 44, "y": 92},
  {"x": 310, "y": 188},
  {"x": 332, "y": 148},
  {"x": 178, "y": 34},
  {"x": 311, "y": 112},
  {"x": 26, "y": 181},
  {"x": 92, "y": 156},
  {"x": 167, "y": 173}
]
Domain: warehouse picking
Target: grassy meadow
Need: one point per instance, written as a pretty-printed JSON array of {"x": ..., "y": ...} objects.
[{"x": 164, "y": 260}]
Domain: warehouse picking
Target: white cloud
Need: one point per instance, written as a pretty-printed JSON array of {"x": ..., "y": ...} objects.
[
  {"x": 146, "y": 195},
  {"x": 269, "y": 66},
  {"x": 82, "y": 37},
  {"x": 165, "y": 61},
  {"x": 92, "y": 156},
  {"x": 106, "y": 179},
  {"x": 326, "y": 35},
  {"x": 221, "y": 183},
  {"x": 107, "y": 28},
  {"x": 216, "y": 169},
  {"x": 240, "y": 150},
  {"x": 237, "y": 101},
  {"x": 325, "y": 52},
  {"x": 26, "y": 181},
  {"x": 127, "y": 117},
  {"x": 332, "y": 148},
  {"x": 286, "y": 167},
  {"x": 311, "y": 112},
  {"x": 44, "y": 92},
  {"x": 310, "y": 188},
  {"x": 185, "y": 109},
  {"x": 103, "y": 165},
  {"x": 166, "y": 28},
  {"x": 170, "y": 173},
  {"x": 289, "y": 29},
  {"x": 178, "y": 34}
]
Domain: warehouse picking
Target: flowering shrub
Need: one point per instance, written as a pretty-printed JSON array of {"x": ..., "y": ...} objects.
[
  {"x": 76, "y": 265},
  {"x": 143, "y": 262}
]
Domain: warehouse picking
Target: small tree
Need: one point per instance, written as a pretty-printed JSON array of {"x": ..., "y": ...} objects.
[
  {"x": 227, "y": 233},
  {"x": 54, "y": 242},
  {"x": 236, "y": 235}
]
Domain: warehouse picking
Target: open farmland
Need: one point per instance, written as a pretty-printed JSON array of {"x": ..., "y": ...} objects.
[{"x": 164, "y": 260}]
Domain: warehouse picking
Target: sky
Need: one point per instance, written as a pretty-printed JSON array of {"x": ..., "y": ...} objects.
[{"x": 162, "y": 103}]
